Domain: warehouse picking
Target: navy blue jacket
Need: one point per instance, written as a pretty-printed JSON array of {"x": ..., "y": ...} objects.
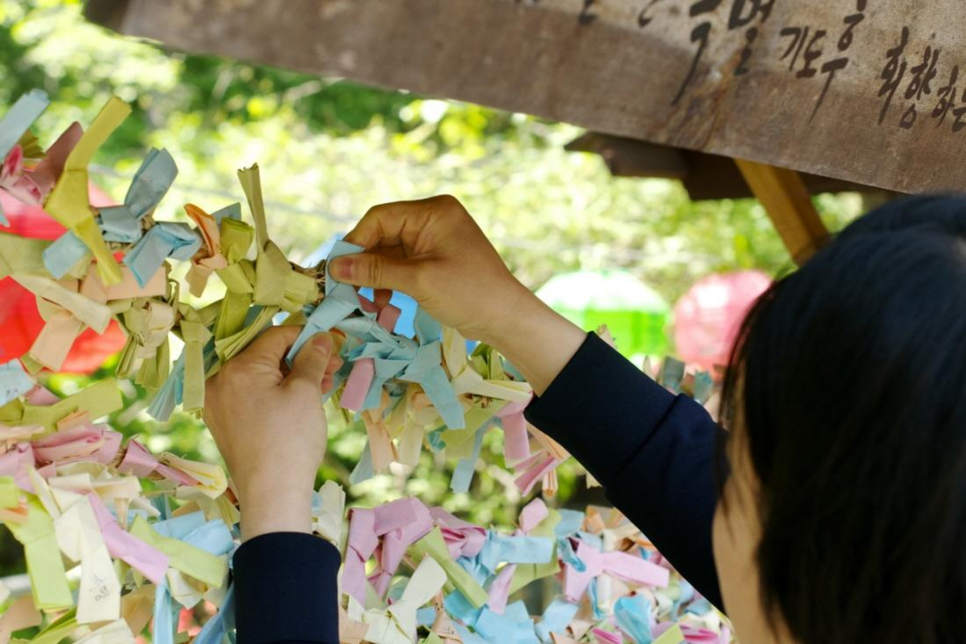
[{"x": 651, "y": 450}]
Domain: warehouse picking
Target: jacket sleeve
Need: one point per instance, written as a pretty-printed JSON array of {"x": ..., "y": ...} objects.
[
  {"x": 651, "y": 450},
  {"x": 286, "y": 590}
]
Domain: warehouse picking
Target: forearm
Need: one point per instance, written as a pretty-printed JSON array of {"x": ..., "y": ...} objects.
[
  {"x": 537, "y": 340},
  {"x": 651, "y": 450}
]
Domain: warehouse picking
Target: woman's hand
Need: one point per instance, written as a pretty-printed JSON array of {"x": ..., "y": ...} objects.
[
  {"x": 271, "y": 428},
  {"x": 433, "y": 250}
]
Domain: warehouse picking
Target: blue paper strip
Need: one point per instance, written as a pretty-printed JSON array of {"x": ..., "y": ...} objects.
[
  {"x": 15, "y": 124},
  {"x": 62, "y": 255},
  {"x": 14, "y": 381}
]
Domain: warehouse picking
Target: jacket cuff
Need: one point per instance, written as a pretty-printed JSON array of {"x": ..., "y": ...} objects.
[{"x": 286, "y": 589}]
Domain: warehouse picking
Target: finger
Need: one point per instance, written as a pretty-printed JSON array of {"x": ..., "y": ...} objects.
[
  {"x": 376, "y": 271},
  {"x": 384, "y": 225},
  {"x": 381, "y": 297},
  {"x": 399, "y": 222},
  {"x": 335, "y": 363},
  {"x": 271, "y": 346},
  {"x": 327, "y": 384},
  {"x": 310, "y": 364}
]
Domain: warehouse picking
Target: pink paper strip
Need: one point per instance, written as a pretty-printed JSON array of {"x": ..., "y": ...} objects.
[
  {"x": 635, "y": 569},
  {"x": 528, "y": 479},
  {"x": 462, "y": 538},
  {"x": 395, "y": 542},
  {"x": 695, "y": 635},
  {"x": 367, "y": 305},
  {"x": 357, "y": 386},
  {"x": 393, "y": 515},
  {"x": 532, "y": 514},
  {"x": 85, "y": 442},
  {"x": 16, "y": 462},
  {"x": 137, "y": 460},
  {"x": 361, "y": 545},
  {"x": 516, "y": 440},
  {"x": 621, "y": 565},
  {"x": 380, "y": 581},
  {"x": 150, "y": 562},
  {"x": 41, "y": 397},
  {"x": 388, "y": 317},
  {"x": 603, "y": 637},
  {"x": 176, "y": 475},
  {"x": 500, "y": 589}
]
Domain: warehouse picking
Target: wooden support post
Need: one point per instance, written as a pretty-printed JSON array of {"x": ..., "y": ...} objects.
[{"x": 789, "y": 205}]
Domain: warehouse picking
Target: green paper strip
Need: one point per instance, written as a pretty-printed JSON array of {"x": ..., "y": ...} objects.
[
  {"x": 195, "y": 335},
  {"x": 100, "y": 399},
  {"x": 271, "y": 271},
  {"x": 192, "y": 561},
  {"x": 673, "y": 635},
  {"x": 236, "y": 239},
  {"x": 527, "y": 573},
  {"x": 252, "y": 185},
  {"x": 434, "y": 546},
  {"x": 48, "y": 579},
  {"x": 154, "y": 371},
  {"x": 58, "y": 629},
  {"x": 9, "y": 492},
  {"x": 229, "y": 347}
]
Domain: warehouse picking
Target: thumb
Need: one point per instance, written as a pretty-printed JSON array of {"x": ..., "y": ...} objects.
[
  {"x": 310, "y": 364},
  {"x": 374, "y": 270}
]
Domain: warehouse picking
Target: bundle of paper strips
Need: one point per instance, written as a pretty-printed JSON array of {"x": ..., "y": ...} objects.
[
  {"x": 115, "y": 537},
  {"x": 114, "y": 263}
]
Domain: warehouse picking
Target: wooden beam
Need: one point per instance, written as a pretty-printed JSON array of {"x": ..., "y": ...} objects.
[
  {"x": 835, "y": 88},
  {"x": 630, "y": 158},
  {"x": 784, "y": 197},
  {"x": 705, "y": 176}
]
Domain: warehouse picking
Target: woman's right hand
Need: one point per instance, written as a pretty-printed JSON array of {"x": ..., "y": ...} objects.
[{"x": 432, "y": 250}]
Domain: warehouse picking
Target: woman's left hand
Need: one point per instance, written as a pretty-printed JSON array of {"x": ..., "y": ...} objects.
[{"x": 271, "y": 428}]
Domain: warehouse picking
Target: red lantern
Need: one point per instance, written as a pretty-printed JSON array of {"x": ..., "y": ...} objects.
[
  {"x": 20, "y": 322},
  {"x": 707, "y": 318}
]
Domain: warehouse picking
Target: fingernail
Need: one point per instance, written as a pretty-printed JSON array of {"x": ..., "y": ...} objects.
[
  {"x": 323, "y": 341},
  {"x": 341, "y": 268}
]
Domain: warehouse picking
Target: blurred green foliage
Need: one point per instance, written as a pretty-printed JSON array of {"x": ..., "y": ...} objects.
[{"x": 328, "y": 150}]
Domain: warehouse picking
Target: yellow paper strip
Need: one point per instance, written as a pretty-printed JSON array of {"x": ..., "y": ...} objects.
[
  {"x": 93, "y": 314},
  {"x": 69, "y": 201}
]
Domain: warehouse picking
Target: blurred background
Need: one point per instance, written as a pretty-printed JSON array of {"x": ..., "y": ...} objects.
[{"x": 329, "y": 149}]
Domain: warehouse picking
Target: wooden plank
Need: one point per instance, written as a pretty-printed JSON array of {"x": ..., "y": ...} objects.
[
  {"x": 784, "y": 197},
  {"x": 705, "y": 176},
  {"x": 852, "y": 89},
  {"x": 632, "y": 158}
]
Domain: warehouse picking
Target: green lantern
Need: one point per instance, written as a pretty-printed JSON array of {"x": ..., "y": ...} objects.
[{"x": 635, "y": 314}]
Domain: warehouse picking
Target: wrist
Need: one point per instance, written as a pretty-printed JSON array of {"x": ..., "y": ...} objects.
[
  {"x": 504, "y": 329},
  {"x": 537, "y": 340},
  {"x": 275, "y": 510}
]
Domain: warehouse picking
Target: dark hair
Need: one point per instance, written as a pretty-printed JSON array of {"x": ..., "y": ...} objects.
[{"x": 850, "y": 378}]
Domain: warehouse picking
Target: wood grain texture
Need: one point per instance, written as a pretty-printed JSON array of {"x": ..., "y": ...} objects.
[
  {"x": 789, "y": 206},
  {"x": 759, "y": 90}
]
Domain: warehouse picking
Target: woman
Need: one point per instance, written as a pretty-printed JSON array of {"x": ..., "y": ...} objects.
[{"x": 839, "y": 509}]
